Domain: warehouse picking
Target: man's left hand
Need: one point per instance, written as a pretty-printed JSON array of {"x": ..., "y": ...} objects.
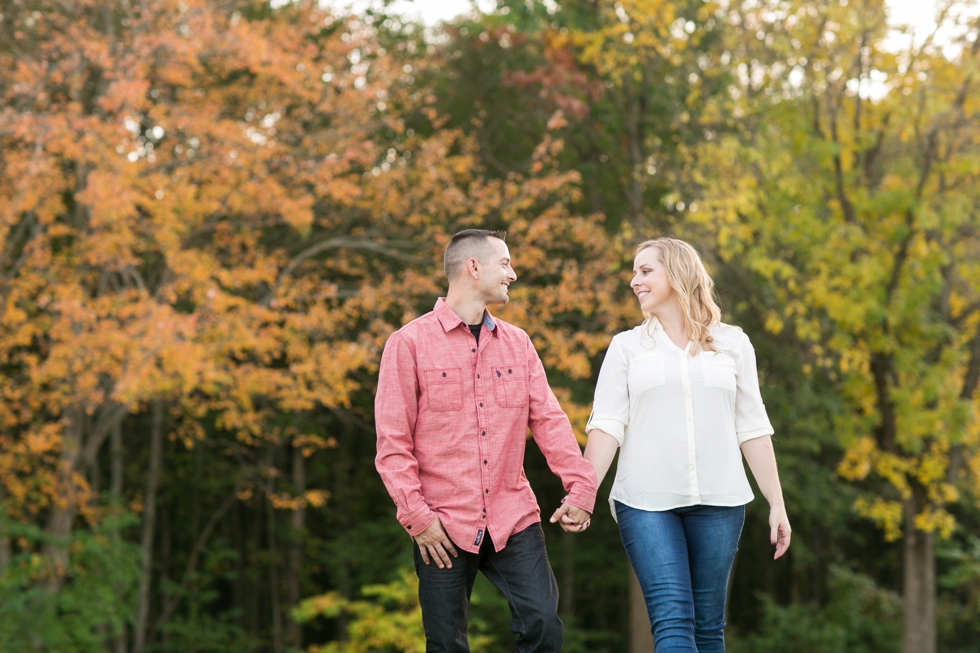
[{"x": 571, "y": 518}]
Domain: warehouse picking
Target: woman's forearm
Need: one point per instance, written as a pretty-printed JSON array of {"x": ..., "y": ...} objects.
[
  {"x": 600, "y": 451},
  {"x": 759, "y": 454}
]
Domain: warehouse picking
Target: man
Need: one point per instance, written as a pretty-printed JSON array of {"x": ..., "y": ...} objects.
[{"x": 457, "y": 391}]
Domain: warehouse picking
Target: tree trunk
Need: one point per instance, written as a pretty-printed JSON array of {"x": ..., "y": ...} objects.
[
  {"x": 919, "y": 587},
  {"x": 294, "y": 632},
  {"x": 149, "y": 523},
  {"x": 195, "y": 527},
  {"x": 274, "y": 558},
  {"x": 117, "y": 456},
  {"x": 641, "y": 637},
  {"x": 63, "y": 513},
  {"x": 165, "y": 542},
  {"x": 116, "y": 497},
  {"x": 343, "y": 511},
  {"x": 5, "y": 552},
  {"x": 255, "y": 589}
]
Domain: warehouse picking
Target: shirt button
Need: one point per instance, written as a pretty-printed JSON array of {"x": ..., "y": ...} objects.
[
  {"x": 481, "y": 404},
  {"x": 409, "y": 528},
  {"x": 484, "y": 433},
  {"x": 484, "y": 462},
  {"x": 473, "y": 350},
  {"x": 477, "y": 376},
  {"x": 487, "y": 491}
]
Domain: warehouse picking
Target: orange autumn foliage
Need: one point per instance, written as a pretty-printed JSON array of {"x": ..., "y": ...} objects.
[{"x": 223, "y": 207}]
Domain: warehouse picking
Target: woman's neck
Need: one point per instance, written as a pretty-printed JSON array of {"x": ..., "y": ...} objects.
[{"x": 674, "y": 325}]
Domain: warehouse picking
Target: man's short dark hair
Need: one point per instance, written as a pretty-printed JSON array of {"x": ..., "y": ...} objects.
[{"x": 471, "y": 243}]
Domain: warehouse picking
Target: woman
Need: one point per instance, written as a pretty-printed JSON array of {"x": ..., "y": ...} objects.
[{"x": 680, "y": 395}]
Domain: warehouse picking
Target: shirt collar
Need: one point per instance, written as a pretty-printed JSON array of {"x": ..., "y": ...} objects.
[{"x": 449, "y": 320}]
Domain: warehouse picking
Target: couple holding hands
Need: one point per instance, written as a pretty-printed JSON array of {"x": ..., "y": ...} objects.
[{"x": 679, "y": 394}]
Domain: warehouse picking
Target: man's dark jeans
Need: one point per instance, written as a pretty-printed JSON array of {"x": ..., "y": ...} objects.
[{"x": 520, "y": 570}]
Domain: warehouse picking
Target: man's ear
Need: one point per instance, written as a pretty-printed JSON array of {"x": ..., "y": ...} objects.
[{"x": 472, "y": 267}]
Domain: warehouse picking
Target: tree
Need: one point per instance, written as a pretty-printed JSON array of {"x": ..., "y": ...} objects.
[
  {"x": 212, "y": 216},
  {"x": 852, "y": 190}
]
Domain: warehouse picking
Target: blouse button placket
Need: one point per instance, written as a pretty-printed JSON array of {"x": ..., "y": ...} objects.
[{"x": 692, "y": 468}]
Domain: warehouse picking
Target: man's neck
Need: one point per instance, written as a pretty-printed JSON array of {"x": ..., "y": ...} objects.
[{"x": 469, "y": 309}]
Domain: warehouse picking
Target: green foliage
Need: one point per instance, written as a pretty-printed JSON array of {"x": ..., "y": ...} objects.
[
  {"x": 959, "y": 606},
  {"x": 387, "y": 620},
  {"x": 93, "y": 604},
  {"x": 860, "y": 618}
]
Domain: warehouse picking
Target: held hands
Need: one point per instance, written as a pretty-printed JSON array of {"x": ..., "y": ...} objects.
[
  {"x": 434, "y": 544},
  {"x": 779, "y": 530},
  {"x": 570, "y": 518}
]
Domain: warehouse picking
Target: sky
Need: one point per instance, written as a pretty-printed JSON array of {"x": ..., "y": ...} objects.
[{"x": 920, "y": 14}]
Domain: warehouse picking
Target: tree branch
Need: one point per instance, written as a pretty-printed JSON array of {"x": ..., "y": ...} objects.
[
  {"x": 336, "y": 243},
  {"x": 173, "y": 601}
]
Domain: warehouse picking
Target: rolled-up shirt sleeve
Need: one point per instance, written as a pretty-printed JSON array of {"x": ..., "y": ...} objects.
[
  {"x": 553, "y": 433},
  {"x": 395, "y": 413},
  {"x": 751, "y": 419},
  {"x": 611, "y": 405}
]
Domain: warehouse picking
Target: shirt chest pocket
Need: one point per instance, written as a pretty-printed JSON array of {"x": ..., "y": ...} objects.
[
  {"x": 720, "y": 372},
  {"x": 510, "y": 385},
  {"x": 646, "y": 371},
  {"x": 444, "y": 388}
]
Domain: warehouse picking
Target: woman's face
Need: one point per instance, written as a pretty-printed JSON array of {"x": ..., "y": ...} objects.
[{"x": 650, "y": 281}]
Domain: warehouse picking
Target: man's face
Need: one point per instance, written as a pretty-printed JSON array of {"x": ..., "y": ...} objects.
[{"x": 496, "y": 274}]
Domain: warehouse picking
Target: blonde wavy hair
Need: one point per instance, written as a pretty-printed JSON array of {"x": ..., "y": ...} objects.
[{"x": 694, "y": 288}]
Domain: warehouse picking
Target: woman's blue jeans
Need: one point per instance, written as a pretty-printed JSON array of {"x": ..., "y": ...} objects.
[{"x": 682, "y": 558}]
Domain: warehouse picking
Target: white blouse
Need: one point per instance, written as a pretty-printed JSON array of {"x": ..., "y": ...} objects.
[{"x": 679, "y": 419}]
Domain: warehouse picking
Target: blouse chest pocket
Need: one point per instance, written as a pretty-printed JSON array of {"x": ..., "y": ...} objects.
[
  {"x": 444, "y": 388},
  {"x": 720, "y": 372},
  {"x": 510, "y": 385},
  {"x": 646, "y": 371}
]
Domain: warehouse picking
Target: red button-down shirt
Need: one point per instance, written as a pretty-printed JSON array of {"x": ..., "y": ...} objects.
[{"x": 452, "y": 419}]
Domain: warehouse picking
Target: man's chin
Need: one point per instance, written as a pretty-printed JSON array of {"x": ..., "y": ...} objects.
[{"x": 499, "y": 301}]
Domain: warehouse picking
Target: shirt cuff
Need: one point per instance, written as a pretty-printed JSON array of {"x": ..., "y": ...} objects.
[
  {"x": 610, "y": 426},
  {"x": 752, "y": 432},
  {"x": 417, "y": 521},
  {"x": 583, "y": 500}
]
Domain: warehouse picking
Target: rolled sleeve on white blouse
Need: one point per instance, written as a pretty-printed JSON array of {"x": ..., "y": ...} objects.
[
  {"x": 679, "y": 419},
  {"x": 611, "y": 407},
  {"x": 751, "y": 420}
]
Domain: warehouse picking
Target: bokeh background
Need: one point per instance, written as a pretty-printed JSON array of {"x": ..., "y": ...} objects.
[{"x": 212, "y": 214}]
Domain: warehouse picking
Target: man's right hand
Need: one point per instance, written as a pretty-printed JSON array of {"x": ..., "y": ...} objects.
[{"x": 434, "y": 544}]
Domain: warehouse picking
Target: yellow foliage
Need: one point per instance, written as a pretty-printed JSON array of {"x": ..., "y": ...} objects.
[
  {"x": 858, "y": 460},
  {"x": 884, "y": 263},
  {"x": 935, "y": 520},
  {"x": 886, "y": 514},
  {"x": 894, "y": 469}
]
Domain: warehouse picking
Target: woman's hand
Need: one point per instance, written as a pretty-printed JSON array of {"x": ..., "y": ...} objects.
[
  {"x": 759, "y": 454},
  {"x": 779, "y": 529}
]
